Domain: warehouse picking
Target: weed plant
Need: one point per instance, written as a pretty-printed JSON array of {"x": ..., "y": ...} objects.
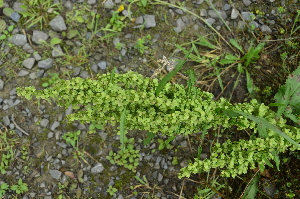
[{"x": 170, "y": 109}]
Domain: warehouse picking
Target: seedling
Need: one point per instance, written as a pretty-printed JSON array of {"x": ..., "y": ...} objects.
[
  {"x": 20, "y": 187},
  {"x": 111, "y": 190}
]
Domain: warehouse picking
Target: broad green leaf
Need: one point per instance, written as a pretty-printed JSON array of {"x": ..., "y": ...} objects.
[
  {"x": 80, "y": 19},
  {"x": 55, "y": 41},
  {"x": 8, "y": 11},
  {"x": 149, "y": 138},
  {"x": 72, "y": 33},
  {"x": 1, "y": 3},
  {"x": 252, "y": 189},
  {"x": 144, "y": 2},
  {"x": 237, "y": 45}
]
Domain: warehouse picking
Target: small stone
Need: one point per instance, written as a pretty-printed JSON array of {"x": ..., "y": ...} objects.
[
  {"x": 55, "y": 174},
  {"x": 76, "y": 71},
  {"x": 54, "y": 125},
  {"x": 1, "y": 84},
  {"x": 226, "y": 7},
  {"x": 265, "y": 29},
  {"x": 179, "y": 11},
  {"x": 210, "y": 21},
  {"x": 109, "y": 4},
  {"x": 18, "y": 39},
  {"x": 27, "y": 48},
  {"x": 15, "y": 16},
  {"x": 160, "y": 177},
  {"x": 45, "y": 64},
  {"x": 98, "y": 168},
  {"x": 39, "y": 36},
  {"x": 91, "y": 2},
  {"x": 58, "y": 23},
  {"x": 234, "y": 13},
  {"x": 203, "y": 13},
  {"x": 84, "y": 74},
  {"x": 50, "y": 135},
  {"x": 61, "y": 144},
  {"x": 44, "y": 122},
  {"x": 102, "y": 65},
  {"x": 139, "y": 20},
  {"x": 69, "y": 5},
  {"x": 149, "y": 21},
  {"x": 247, "y": 16},
  {"x": 37, "y": 56},
  {"x": 28, "y": 63},
  {"x": 57, "y": 51},
  {"x": 22, "y": 73},
  {"x": 247, "y": 2}
]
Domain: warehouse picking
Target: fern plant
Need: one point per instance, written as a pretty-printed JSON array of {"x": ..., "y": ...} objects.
[{"x": 173, "y": 111}]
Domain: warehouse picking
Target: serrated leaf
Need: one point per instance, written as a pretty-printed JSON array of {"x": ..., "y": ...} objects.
[{"x": 237, "y": 45}]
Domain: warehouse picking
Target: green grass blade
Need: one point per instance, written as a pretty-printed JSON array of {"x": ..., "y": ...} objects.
[
  {"x": 168, "y": 77},
  {"x": 122, "y": 130},
  {"x": 259, "y": 121}
]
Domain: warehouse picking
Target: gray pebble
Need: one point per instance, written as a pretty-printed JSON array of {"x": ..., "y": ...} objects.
[
  {"x": 39, "y": 36},
  {"x": 94, "y": 68},
  {"x": 1, "y": 84},
  {"x": 203, "y": 13},
  {"x": 139, "y": 20},
  {"x": 102, "y": 65},
  {"x": 210, "y": 21},
  {"x": 50, "y": 134},
  {"x": 58, "y": 23},
  {"x": 91, "y": 2},
  {"x": 54, "y": 125},
  {"x": 247, "y": 2},
  {"x": 98, "y": 168},
  {"x": 18, "y": 39},
  {"x": 22, "y": 73},
  {"x": 69, "y": 5},
  {"x": 84, "y": 74},
  {"x": 37, "y": 56},
  {"x": 61, "y": 144},
  {"x": 265, "y": 29},
  {"x": 27, "y": 48},
  {"x": 44, "y": 122},
  {"x": 57, "y": 51},
  {"x": 45, "y": 64},
  {"x": 76, "y": 71},
  {"x": 15, "y": 16},
  {"x": 184, "y": 144},
  {"x": 160, "y": 177},
  {"x": 28, "y": 63},
  {"x": 55, "y": 174},
  {"x": 247, "y": 15},
  {"x": 149, "y": 21},
  {"x": 234, "y": 13},
  {"x": 226, "y": 7},
  {"x": 6, "y": 120},
  {"x": 109, "y": 4}
]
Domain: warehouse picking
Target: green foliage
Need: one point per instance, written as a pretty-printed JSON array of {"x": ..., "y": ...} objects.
[
  {"x": 6, "y": 33},
  {"x": 6, "y": 153},
  {"x": 116, "y": 23},
  {"x": 172, "y": 111},
  {"x": 20, "y": 187},
  {"x": 140, "y": 44},
  {"x": 252, "y": 189},
  {"x": 54, "y": 78},
  {"x": 139, "y": 2},
  {"x": 72, "y": 138},
  {"x": 111, "y": 190},
  {"x": 3, "y": 188},
  {"x": 127, "y": 156},
  {"x": 39, "y": 12}
]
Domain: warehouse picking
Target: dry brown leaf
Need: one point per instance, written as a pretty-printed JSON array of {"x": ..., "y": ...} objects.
[{"x": 70, "y": 174}]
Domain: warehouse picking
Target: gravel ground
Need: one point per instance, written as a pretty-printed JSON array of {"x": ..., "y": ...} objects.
[{"x": 41, "y": 157}]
